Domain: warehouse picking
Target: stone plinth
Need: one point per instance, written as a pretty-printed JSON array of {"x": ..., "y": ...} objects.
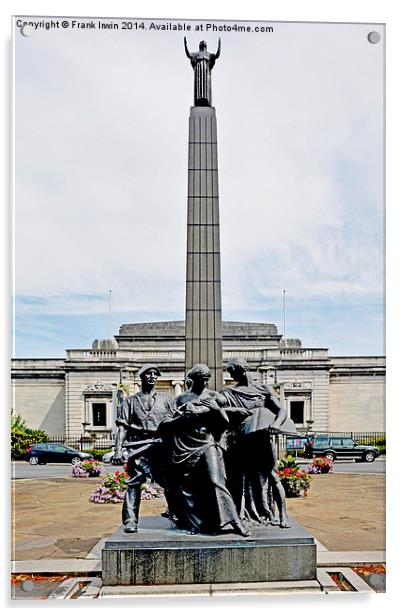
[
  {"x": 203, "y": 277},
  {"x": 162, "y": 554}
]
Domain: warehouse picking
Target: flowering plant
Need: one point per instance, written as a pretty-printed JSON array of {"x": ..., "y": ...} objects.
[
  {"x": 87, "y": 468},
  {"x": 150, "y": 491},
  {"x": 321, "y": 465},
  {"x": 112, "y": 488},
  {"x": 288, "y": 462},
  {"x": 292, "y": 478},
  {"x": 78, "y": 471}
]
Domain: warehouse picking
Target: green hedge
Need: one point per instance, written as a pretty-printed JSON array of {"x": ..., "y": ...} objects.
[
  {"x": 381, "y": 443},
  {"x": 98, "y": 453}
]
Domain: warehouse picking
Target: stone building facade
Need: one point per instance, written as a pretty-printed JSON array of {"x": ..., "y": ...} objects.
[{"x": 75, "y": 396}]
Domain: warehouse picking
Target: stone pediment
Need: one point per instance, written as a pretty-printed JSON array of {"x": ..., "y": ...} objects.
[{"x": 98, "y": 387}]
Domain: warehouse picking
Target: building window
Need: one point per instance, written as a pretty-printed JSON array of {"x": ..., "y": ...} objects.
[
  {"x": 297, "y": 411},
  {"x": 99, "y": 414}
]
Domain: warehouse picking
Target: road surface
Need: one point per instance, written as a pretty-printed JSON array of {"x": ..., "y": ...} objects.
[{"x": 24, "y": 470}]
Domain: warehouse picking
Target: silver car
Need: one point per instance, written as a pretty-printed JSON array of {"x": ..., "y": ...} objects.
[{"x": 107, "y": 457}]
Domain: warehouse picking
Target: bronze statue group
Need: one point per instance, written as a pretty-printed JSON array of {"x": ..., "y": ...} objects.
[{"x": 212, "y": 452}]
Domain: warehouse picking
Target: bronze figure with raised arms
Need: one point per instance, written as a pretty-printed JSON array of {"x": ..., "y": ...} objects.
[{"x": 202, "y": 62}]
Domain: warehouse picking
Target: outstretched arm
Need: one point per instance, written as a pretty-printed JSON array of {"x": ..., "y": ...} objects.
[
  {"x": 186, "y": 48},
  {"x": 218, "y": 51}
]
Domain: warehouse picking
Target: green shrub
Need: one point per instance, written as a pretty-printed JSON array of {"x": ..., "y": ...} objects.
[
  {"x": 21, "y": 440},
  {"x": 381, "y": 443},
  {"x": 17, "y": 423},
  {"x": 98, "y": 453},
  {"x": 22, "y": 437},
  {"x": 374, "y": 442}
]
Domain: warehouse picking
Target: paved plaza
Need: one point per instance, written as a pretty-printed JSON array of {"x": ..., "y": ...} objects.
[
  {"x": 54, "y": 518},
  {"x": 58, "y": 532}
]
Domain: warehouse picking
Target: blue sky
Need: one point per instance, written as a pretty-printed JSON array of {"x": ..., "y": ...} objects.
[
  {"x": 352, "y": 327},
  {"x": 100, "y": 183}
]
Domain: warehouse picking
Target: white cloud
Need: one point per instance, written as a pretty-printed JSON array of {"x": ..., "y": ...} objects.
[{"x": 101, "y": 147}]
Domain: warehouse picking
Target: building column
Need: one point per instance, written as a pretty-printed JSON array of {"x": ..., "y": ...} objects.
[{"x": 178, "y": 387}]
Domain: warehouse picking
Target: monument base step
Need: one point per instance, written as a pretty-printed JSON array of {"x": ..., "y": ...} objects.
[
  {"x": 212, "y": 590},
  {"x": 160, "y": 554}
]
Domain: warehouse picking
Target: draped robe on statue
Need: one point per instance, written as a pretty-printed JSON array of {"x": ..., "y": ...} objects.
[
  {"x": 193, "y": 436},
  {"x": 251, "y": 455},
  {"x": 202, "y": 63}
]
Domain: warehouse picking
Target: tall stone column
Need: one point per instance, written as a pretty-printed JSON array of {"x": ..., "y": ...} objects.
[{"x": 203, "y": 280}]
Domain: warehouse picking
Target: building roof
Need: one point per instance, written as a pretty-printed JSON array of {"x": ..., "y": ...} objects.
[{"x": 176, "y": 329}]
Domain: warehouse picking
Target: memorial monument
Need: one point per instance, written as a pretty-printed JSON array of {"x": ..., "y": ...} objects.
[
  {"x": 203, "y": 277},
  {"x": 211, "y": 447}
]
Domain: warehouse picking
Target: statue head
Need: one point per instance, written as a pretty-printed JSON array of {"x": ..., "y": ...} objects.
[
  {"x": 237, "y": 367},
  {"x": 203, "y": 45},
  {"x": 148, "y": 374},
  {"x": 199, "y": 375}
]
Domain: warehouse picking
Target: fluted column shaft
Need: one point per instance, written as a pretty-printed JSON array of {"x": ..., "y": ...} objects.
[{"x": 203, "y": 280}]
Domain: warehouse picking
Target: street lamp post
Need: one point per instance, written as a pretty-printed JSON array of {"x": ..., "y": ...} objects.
[
  {"x": 281, "y": 385},
  {"x": 309, "y": 423},
  {"x": 281, "y": 398},
  {"x": 275, "y": 369},
  {"x": 84, "y": 437}
]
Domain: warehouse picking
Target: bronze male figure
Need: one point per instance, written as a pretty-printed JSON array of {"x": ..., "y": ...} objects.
[{"x": 138, "y": 420}]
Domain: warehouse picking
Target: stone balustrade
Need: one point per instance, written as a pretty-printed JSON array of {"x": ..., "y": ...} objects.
[
  {"x": 91, "y": 354},
  {"x": 304, "y": 353},
  {"x": 178, "y": 355}
]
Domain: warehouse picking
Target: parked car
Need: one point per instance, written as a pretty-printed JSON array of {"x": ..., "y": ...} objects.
[
  {"x": 107, "y": 457},
  {"x": 42, "y": 453},
  {"x": 339, "y": 447}
]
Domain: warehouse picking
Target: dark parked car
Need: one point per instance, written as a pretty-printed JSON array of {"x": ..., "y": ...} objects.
[
  {"x": 338, "y": 448},
  {"x": 51, "y": 452}
]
